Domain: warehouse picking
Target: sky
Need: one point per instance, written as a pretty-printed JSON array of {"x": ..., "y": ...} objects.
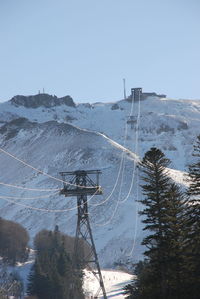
[{"x": 84, "y": 48}]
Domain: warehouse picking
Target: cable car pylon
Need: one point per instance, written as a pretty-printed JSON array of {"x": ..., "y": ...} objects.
[
  {"x": 135, "y": 96},
  {"x": 83, "y": 184}
]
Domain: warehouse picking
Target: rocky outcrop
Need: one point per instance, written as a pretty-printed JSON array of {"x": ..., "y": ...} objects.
[{"x": 43, "y": 99}]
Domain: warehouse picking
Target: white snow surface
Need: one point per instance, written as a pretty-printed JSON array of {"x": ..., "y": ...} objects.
[
  {"x": 64, "y": 138},
  {"x": 114, "y": 281}
]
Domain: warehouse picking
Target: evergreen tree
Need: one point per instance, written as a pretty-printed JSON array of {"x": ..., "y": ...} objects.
[
  {"x": 13, "y": 242},
  {"x": 175, "y": 239},
  {"x": 53, "y": 275},
  {"x": 194, "y": 174},
  {"x": 155, "y": 190},
  {"x": 160, "y": 276},
  {"x": 192, "y": 249}
]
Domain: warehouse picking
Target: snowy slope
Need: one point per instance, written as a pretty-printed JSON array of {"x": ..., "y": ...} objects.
[
  {"x": 72, "y": 148},
  {"x": 56, "y": 138},
  {"x": 114, "y": 281}
]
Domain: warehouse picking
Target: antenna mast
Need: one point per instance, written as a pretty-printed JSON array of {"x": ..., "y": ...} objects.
[{"x": 124, "y": 84}]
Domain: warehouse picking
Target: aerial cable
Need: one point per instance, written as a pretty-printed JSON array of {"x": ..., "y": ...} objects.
[
  {"x": 137, "y": 205},
  {"x": 119, "y": 194},
  {"x": 115, "y": 185},
  {"x": 120, "y": 167},
  {"x": 114, "y": 211},
  {"x": 30, "y": 189},
  {"x": 136, "y": 151},
  {"x": 33, "y": 208},
  {"x": 42, "y": 209},
  {"x": 27, "y": 198},
  {"x": 48, "y": 210},
  {"x": 40, "y": 171},
  {"x": 133, "y": 176},
  {"x": 113, "y": 214},
  {"x": 52, "y": 177},
  {"x": 136, "y": 217}
]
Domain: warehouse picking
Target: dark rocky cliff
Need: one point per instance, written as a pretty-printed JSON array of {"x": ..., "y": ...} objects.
[{"x": 42, "y": 99}]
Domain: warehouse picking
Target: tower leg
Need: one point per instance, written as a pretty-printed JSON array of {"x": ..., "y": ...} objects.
[{"x": 84, "y": 232}]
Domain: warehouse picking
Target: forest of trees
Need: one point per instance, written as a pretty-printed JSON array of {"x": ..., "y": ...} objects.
[
  {"x": 171, "y": 216},
  {"x": 13, "y": 248},
  {"x": 54, "y": 275},
  {"x": 14, "y": 242},
  {"x": 10, "y": 284}
]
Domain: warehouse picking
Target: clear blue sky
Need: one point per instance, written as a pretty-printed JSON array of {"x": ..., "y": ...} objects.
[{"x": 85, "y": 48}]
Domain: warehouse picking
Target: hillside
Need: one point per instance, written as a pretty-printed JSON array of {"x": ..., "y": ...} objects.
[{"x": 56, "y": 135}]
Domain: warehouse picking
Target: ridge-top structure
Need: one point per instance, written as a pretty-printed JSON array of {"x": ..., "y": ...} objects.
[
  {"x": 81, "y": 184},
  {"x": 138, "y": 95}
]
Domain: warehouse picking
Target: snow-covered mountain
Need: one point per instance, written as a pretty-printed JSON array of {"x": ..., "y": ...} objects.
[{"x": 54, "y": 135}]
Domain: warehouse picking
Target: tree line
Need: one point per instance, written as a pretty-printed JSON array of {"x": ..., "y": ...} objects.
[
  {"x": 54, "y": 274},
  {"x": 171, "y": 216},
  {"x": 13, "y": 248},
  {"x": 13, "y": 242}
]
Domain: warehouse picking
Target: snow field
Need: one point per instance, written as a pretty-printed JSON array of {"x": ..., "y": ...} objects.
[{"x": 114, "y": 281}]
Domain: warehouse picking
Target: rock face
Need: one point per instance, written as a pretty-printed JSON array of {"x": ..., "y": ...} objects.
[{"x": 42, "y": 99}]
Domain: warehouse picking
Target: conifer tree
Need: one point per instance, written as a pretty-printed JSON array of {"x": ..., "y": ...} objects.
[
  {"x": 194, "y": 173},
  {"x": 14, "y": 242},
  {"x": 53, "y": 274},
  {"x": 155, "y": 190},
  {"x": 175, "y": 239},
  {"x": 160, "y": 276},
  {"x": 193, "y": 222}
]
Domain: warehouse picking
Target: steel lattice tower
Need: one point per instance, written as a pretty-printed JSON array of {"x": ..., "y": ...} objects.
[{"x": 80, "y": 186}]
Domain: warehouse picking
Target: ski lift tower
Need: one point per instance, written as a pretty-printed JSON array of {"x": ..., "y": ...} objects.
[
  {"x": 81, "y": 184},
  {"x": 135, "y": 96}
]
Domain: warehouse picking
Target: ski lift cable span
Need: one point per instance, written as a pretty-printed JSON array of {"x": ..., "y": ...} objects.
[
  {"x": 137, "y": 205},
  {"x": 133, "y": 175},
  {"x": 40, "y": 171},
  {"x": 46, "y": 174},
  {"x": 136, "y": 152},
  {"x": 10, "y": 199},
  {"x": 30, "y": 189},
  {"x": 136, "y": 217},
  {"x": 42, "y": 209},
  {"x": 29, "y": 198},
  {"x": 52, "y": 177},
  {"x": 120, "y": 167}
]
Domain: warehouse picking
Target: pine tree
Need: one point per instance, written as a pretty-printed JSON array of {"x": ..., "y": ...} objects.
[
  {"x": 194, "y": 173},
  {"x": 161, "y": 275},
  {"x": 193, "y": 223},
  {"x": 175, "y": 239},
  {"x": 52, "y": 274},
  {"x": 155, "y": 190}
]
